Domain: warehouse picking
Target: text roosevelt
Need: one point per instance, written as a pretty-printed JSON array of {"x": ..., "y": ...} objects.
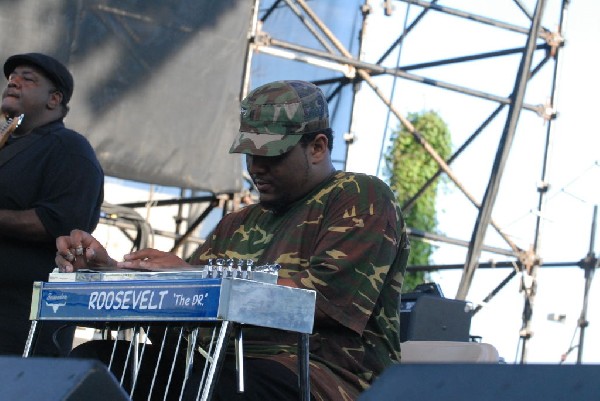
[{"x": 128, "y": 299}]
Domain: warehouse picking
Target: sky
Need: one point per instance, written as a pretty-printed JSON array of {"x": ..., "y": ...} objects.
[{"x": 573, "y": 171}]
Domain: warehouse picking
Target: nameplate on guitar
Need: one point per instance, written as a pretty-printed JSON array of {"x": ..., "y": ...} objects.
[{"x": 208, "y": 299}]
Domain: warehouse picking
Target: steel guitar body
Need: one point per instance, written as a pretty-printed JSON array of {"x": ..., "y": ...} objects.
[{"x": 172, "y": 297}]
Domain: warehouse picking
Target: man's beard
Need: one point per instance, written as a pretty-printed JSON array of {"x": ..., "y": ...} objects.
[
  {"x": 282, "y": 204},
  {"x": 278, "y": 206}
]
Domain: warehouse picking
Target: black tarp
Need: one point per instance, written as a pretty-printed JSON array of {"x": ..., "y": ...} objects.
[{"x": 157, "y": 83}]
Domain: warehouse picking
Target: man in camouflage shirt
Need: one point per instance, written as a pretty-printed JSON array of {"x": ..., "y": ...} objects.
[{"x": 338, "y": 233}]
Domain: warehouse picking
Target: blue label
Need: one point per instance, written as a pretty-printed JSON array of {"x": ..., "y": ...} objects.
[{"x": 151, "y": 300}]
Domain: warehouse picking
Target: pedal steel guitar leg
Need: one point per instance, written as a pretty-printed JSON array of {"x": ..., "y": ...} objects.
[
  {"x": 30, "y": 339},
  {"x": 239, "y": 358},
  {"x": 217, "y": 363},
  {"x": 303, "y": 367}
]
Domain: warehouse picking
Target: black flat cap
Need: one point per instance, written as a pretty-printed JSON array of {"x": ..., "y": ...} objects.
[{"x": 52, "y": 68}]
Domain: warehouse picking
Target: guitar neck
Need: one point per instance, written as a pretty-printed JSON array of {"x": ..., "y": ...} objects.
[{"x": 8, "y": 128}]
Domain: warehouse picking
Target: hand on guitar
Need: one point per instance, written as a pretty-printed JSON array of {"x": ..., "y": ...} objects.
[
  {"x": 80, "y": 250},
  {"x": 151, "y": 259}
]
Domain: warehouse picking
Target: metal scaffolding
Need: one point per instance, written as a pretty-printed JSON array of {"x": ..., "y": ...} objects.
[{"x": 346, "y": 69}]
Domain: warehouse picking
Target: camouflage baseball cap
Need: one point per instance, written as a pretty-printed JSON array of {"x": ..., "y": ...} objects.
[{"x": 275, "y": 116}]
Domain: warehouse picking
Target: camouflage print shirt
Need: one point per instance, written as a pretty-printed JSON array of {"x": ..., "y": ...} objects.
[{"x": 347, "y": 241}]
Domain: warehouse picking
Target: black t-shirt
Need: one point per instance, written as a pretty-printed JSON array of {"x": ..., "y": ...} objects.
[{"x": 58, "y": 175}]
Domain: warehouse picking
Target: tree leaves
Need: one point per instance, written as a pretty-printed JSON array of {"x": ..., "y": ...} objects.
[{"x": 409, "y": 167}]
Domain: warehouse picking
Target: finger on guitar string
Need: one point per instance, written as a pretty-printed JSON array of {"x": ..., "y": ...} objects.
[
  {"x": 90, "y": 253},
  {"x": 62, "y": 263},
  {"x": 69, "y": 256}
]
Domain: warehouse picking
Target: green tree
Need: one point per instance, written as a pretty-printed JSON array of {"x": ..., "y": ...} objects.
[{"x": 409, "y": 166}]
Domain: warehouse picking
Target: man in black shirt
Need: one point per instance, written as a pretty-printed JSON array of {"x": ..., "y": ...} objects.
[{"x": 50, "y": 183}]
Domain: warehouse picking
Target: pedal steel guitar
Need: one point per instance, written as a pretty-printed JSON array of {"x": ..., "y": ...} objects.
[{"x": 227, "y": 296}]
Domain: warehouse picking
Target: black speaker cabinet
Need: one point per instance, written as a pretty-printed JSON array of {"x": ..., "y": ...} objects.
[
  {"x": 486, "y": 382},
  {"x": 57, "y": 379},
  {"x": 428, "y": 317}
]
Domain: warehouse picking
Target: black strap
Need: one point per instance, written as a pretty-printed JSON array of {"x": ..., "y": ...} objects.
[{"x": 16, "y": 147}]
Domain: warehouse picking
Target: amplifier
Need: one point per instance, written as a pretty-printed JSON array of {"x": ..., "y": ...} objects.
[
  {"x": 57, "y": 379},
  {"x": 429, "y": 317},
  {"x": 485, "y": 382}
]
